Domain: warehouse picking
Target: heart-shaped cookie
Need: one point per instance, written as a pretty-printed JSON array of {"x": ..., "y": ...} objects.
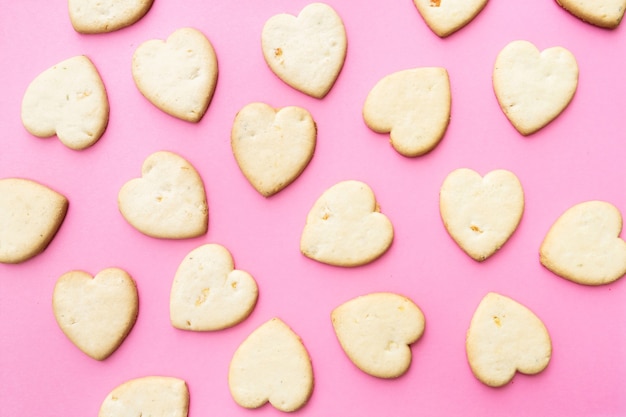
[
  {"x": 177, "y": 75},
  {"x": 272, "y": 146},
  {"x": 271, "y": 365},
  {"x": 101, "y": 16},
  {"x": 345, "y": 226},
  {"x": 208, "y": 293},
  {"x": 444, "y": 17},
  {"x": 168, "y": 201},
  {"x": 96, "y": 313},
  {"x": 481, "y": 213},
  {"x": 147, "y": 396},
  {"x": 506, "y": 337},
  {"x": 603, "y": 13},
  {"x": 376, "y": 331},
  {"x": 67, "y": 100},
  {"x": 30, "y": 216},
  {"x": 534, "y": 87},
  {"x": 306, "y": 51},
  {"x": 584, "y": 246},
  {"x": 413, "y": 106}
]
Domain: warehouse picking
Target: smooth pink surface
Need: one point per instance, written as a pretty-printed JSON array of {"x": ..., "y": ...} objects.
[{"x": 579, "y": 157}]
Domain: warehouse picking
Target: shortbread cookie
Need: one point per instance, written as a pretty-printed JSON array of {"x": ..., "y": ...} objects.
[
  {"x": 376, "y": 331},
  {"x": 307, "y": 52},
  {"x": 208, "y": 293},
  {"x": 177, "y": 75},
  {"x": 584, "y": 246},
  {"x": 153, "y": 396},
  {"x": 101, "y": 16},
  {"x": 345, "y": 227},
  {"x": 413, "y": 106},
  {"x": 271, "y": 365},
  {"x": 96, "y": 313},
  {"x": 30, "y": 216},
  {"x": 68, "y": 100},
  {"x": 481, "y": 213},
  {"x": 603, "y": 13},
  {"x": 168, "y": 201},
  {"x": 272, "y": 146},
  {"x": 506, "y": 337},
  {"x": 444, "y": 17},
  {"x": 534, "y": 87}
]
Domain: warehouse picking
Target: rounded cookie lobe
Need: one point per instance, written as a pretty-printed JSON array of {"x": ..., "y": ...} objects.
[{"x": 102, "y": 16}]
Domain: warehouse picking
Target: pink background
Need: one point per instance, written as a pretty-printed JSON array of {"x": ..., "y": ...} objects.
[{"x": 578, "y": 157}]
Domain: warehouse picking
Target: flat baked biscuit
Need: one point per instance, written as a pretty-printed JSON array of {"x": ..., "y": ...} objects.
[
  {"x": 101, "y": 16},
  {"x": 603, "y": 13},
  {"x": 444, "y": 17}
]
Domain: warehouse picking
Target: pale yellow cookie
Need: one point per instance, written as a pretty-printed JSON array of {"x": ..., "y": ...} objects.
[
  {"x": 413, "y": 106},
  {"x": 376, "y": 331},
  {"x": 68, "y": 100},
  {"x": 444, "y": 17},
  {"x": 603, "y": 13},
  {"x": 271, "y": 365},
  {"x": 101, "y": 16},
  {"x": 96, "y": 313},
  {"x": 306, "y": 51},
  {"x": 178, "y": 75},
  {"x": 534, "y": 87},
  {"x": 30, "y": 216},
  {"x": 168, "y": 201},
  {"x": 272, "y": 146},
  {"x": 208, "y": 293},
  {"x": 481, "y": 213},
  {"x": 149, "y": 396},
  {"x": 506, "y": 337},
  {"x": 584, "y": 246},
  {"x": 345, "y": 227}
]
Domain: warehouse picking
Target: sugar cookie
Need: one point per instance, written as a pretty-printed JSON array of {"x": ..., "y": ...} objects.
[
  {"x": 603, "y": 13},
  {"x": 102, "y": 16},
  {"x": 444, "y": 17}
]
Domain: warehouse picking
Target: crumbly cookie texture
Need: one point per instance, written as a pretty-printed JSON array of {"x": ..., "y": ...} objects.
[
  {"x": 481, "y": 213},
  {"x": 376, "y": 331},
  {"x": 271, "y": 365},
  {"x": 603, "y": 13},
  {"x": 506, "y": 337},
  {"x": 168, "y": 200},
  {"x": 155, "y": 396},
  {"x": 30, "y": 216},
  {"x": 102, "y": 16},
  {"x": 444, "y": 17},
  {"x": 534, "y": 87},
  {"x": 68, "y": 100},
  {"x": 96, "y": 313},
  {"x": 272, "y": 146},
  {"x": 583, "y": 245},
  {"x": 208, "y": 293},
  {"x": 413, "y": 106},
  {"x": 177, "y": 75},
  {"x": 345, "y": 227},
  {"x": 307, "y": 51}
]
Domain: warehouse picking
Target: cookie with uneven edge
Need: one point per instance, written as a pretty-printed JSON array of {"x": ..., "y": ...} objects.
[
  {"x": 168, "y": 201},
  {"x": 376, "y": 331},
  {"x": 583, "y": 245},
  {"x": 271, "y": 365},
  {"x": 345, "y": 227},
  {"x": 102, "y": 16},
  {"x": 444, "y": 17},
  {"x": 481, "y": 213},
  {"x": 154, "y": 396},
  {"x": 506, "y": 337},
  {"x": 68, "y": 100},
  {"x": 208, "y": 293},
  {"x": 603, "y": 13},
  {"x": 413, "y": 106},
  {"x": 272, "y": 146},
  {"x": 307, "y": 51},
  {"x": 30, "y": 216},
  {"x": 178, "y": 75},
  {"x": 96, "y": 313},
  {"x": 534, "y": 87}
]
